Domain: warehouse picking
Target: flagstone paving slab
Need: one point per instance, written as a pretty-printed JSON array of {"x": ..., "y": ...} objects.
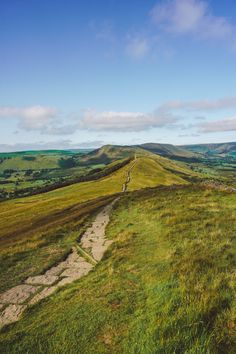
[
  {"x": 18, "y": 294},
  {"x": 42, "y": 279},
  {"x": 11, "y": 314}
]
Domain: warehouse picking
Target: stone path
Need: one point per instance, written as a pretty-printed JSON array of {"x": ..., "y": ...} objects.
[
  {"x": 94, "y": 240},
  {"x": 35, "y": 288}
]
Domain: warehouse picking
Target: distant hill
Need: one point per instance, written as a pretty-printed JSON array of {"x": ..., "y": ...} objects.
[
  {"x": 50, "y": 159},
  {"x": 222, "y": 149},
  {"x": 109, "y": 153},
  {"x": 170, "y": 151}
]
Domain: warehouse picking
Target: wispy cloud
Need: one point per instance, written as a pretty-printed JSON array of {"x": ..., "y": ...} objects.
[
  {"x": 224, "y": 125},
  {"x": 126, "y": 121},
  {"x": 201, "y": 105},
  {"x": 137, "y": 46},
  {"x": 194, "y": 17},
  {"x": 46, "y": 120},
  {"x": 32, "y": 117},
  {"x": 177, "y": 114}
]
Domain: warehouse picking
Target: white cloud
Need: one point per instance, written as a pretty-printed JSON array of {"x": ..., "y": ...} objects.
[
  {"x": 125, "y": 121},
  {"x": 137, "y": 46},
  {"x": 224, "y": 125},
  {"x": 46, "y": 120},
  {"x": 201, "y": 105},
  {"x": 172, "y": 114},
  {"x": 32, "y": 117},
  {"x": 182, "y": 17}
]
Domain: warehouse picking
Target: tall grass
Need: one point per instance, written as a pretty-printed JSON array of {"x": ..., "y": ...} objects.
[
  {"x": 165, "y": 286},
  {"x": 33, "y": 229}
]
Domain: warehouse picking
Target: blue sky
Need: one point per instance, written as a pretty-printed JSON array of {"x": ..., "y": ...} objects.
[{"x": 79, "y": 73}]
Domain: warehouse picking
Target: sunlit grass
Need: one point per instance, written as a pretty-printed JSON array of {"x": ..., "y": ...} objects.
[{"x": 165, "y": 286}]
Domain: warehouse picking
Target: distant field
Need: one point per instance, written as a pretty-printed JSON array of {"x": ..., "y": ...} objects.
[
  {"x": 34, "y": 160},
  {"x": 25, "y": 162},
  {"x": 24, "y": 173},
  {"x": 165, "y": 286},
  {"x": 34, "y": 169}
]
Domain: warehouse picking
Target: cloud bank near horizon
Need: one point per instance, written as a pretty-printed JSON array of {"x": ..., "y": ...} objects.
[{"x": 169, "y": 115}]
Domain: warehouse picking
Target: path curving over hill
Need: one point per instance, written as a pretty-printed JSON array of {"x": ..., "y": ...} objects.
[{"x": 79, "y": 263}]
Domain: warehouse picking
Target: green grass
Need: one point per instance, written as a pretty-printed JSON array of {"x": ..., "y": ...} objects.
[
  {"x": 40, "y": 247},
  {"x": 34, "y": 230},
  {"x": 40, "y": 162},
  {"x": 168, "y": 150},
  {"x": 48, "y": 176},
  {"x": 18, "y": 214},
  {"x": 165, "y": 286},
  {"x": 149, "y": 172},
  {"x": 213, "y": 149}
]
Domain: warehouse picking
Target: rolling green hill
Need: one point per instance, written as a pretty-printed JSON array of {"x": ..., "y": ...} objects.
[
  {"x": 223, "y": 149},
  {"x": 26, "y": 223},
  {"x": 38, "y": 230},
  {"x": 165, "y": 286},
  {"x": 171, "y": 151},
  {"x": 109, "y": 153},
  {"x": 36, "y": 159},
  {"x": 33, "y": 162},
  {"x": 148, "y": 172}
]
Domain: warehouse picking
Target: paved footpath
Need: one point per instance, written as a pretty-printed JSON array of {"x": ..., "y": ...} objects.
[
  {"x": 93, "y": 243},
  {"x": 93, "y": 246}
]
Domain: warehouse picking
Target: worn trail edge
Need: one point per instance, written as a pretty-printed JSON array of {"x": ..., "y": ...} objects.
[{"x": 92, "y": 247}]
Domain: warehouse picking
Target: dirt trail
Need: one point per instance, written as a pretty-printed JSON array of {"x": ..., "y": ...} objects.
[
  {"x": 128, "y": 176},
  {"x": 92, "y": 247}
]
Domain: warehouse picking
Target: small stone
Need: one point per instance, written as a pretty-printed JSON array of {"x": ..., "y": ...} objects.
[
  {"x": 11, "y": 314},
  {"x": 42, "y": 279},
  {"x": 76, "y": 272},
  {"x": 18, "y": 294},
  {"x": 56, "y": 270}
]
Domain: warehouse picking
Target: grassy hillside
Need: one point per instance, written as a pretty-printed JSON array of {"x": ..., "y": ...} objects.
[
  {"x": 27, "y": 210},
  {"x": 26, "y": 162},
  {"x": 35, "y": 160},
  {"x": 169, "y": 150},
  {"x": 165, "y": 286},
  {"x": 109, "y": 153},
  {"x": 33, "y": 222},
  {"x": 148, "y": 172},
  {"x": 24, "y": 172},
  {"x": 213, "y": 149}
]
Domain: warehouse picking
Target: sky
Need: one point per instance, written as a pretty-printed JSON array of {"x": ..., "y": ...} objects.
[{"x": 84, "y": 73}]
